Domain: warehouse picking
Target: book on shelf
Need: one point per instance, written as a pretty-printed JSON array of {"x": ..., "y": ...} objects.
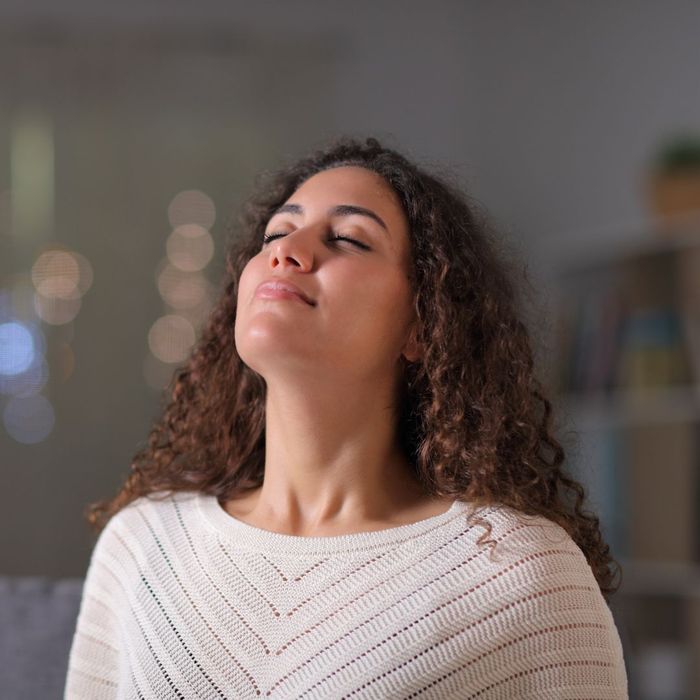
[
  {"x": 603, "y": 358},
  {"x": 652, "y": 351},
  {"x": 596, "y": 463},
  {"x": 643, "y": 483},
  {"x": 637, "y": 329},
  {"x": 661, "y": 491}
]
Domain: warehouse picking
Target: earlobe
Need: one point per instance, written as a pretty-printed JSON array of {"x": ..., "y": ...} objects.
[
  {"x": 412, "y": 357},
  {"x": 412, "y": 349}
]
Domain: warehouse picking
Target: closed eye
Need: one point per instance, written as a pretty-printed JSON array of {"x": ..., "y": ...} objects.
[{"x": 271, "y": 236}]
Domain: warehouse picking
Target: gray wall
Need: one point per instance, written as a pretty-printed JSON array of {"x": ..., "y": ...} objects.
[{"x": 548, "y": 112}]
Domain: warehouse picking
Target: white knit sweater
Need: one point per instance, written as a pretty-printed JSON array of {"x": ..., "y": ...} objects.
[{"x": 181, "y": 600}]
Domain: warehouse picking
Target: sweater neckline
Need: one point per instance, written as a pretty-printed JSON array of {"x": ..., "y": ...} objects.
[{"x": 253, "y": 538}]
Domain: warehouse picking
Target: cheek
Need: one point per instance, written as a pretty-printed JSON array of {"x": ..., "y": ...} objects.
[
  {"x": 245, "y": 290},
  {"x": 377, "y": 312},
  {"x": 246, "y": 282}
]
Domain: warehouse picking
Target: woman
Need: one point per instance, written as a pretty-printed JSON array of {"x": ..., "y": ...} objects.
[{"x": 354, "y": 490}]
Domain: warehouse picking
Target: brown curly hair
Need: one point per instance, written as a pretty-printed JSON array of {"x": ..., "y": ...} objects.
[{"x": 474, "y": 419}]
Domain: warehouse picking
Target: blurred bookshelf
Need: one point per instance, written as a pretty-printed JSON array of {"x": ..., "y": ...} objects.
[{"x": 626, "y": 378}]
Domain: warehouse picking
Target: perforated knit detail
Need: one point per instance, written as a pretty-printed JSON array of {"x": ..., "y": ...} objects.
[{"x": 181, "y": 600}]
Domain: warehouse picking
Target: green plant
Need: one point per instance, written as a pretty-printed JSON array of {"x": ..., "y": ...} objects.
[{"x": 679, "y": 153}]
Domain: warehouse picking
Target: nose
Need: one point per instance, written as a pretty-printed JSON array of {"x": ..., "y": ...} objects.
[{"x": 292, "y": 249}]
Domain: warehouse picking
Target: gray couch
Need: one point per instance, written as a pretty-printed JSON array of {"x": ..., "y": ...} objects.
[{"x": 37, "y": 622}]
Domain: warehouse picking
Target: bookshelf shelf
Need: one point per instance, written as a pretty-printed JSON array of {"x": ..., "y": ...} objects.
[
  {"x": 627, "y": 381},
  {"x": 633, "y": 407},
  {"x": 660, "y": 578}
]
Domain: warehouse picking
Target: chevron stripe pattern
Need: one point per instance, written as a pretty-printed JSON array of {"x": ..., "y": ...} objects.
[{"x": 182, "y": 600}]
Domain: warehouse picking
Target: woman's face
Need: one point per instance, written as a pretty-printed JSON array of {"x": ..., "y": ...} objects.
[{"x": 362, "y": 311}]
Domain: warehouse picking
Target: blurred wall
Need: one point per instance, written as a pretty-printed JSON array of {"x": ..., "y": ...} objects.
[
  {"x": 573, "y": 98},
  {"x": 547, "y": 111}
]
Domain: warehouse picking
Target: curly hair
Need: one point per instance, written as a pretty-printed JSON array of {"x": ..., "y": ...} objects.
[{"x": 473, "y": 417}]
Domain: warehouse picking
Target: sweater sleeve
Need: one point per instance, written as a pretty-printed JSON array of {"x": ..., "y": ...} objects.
[
  {"x": 95, "y": 654},
  {"x": 559, "y": 637}
]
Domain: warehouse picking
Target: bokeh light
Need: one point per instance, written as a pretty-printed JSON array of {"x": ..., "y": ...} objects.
[
  {"x": 23, "y": 368},
  {"x": 171, "y": 337},
  {"x": 56, "y": 311},
  {"x": 182, "y": 285},
  {"x": 55, "y": 273},
  {"x": 28, "y": 419},
  {"x": 181, "y": 290},
  {"x": 85, "y": 274},
  {"x": 16, "y": 348},
  {"x": 190, "y": 247},
  {"x": 28, "y": 383},
  {"x": 191, "y": 207},
  {"x": 60, "y": 278}
]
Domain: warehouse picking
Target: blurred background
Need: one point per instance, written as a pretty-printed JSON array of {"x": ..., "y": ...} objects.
[{"x": 130, "y": 133}]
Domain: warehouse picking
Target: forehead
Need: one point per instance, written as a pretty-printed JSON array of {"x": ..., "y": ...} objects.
[{"x": 351, "y": 184}]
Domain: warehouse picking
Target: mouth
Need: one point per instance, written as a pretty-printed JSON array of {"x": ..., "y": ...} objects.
[{"x": 279, "y": 289}]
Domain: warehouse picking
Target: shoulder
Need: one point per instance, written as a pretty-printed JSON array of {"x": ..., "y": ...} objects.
[
  {"x": 529, "y": 588},
  {"x": 529, "y": 567},
  {"x": 510, "y": 534},
  {"x": 157, "y": 505},
  {"x": 531, "y": 564},
  {"x": 133, "y": 534},
  {"x": 517, "y": 555}
]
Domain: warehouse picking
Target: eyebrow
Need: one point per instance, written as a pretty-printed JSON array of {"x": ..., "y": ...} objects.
[{"x": 337, "y": 210}]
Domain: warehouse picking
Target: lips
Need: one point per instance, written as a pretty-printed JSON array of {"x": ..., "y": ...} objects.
[{"x": 284, "y": 285}]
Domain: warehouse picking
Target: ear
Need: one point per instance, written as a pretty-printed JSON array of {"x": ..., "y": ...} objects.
[{"x": 412, "y": 349}]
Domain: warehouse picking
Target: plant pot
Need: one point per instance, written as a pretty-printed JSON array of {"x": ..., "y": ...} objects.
[{"x": 675, "y": 194}]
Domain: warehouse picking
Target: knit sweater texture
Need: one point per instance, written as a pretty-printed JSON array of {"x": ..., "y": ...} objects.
[{"x": 182, "y": 600}]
